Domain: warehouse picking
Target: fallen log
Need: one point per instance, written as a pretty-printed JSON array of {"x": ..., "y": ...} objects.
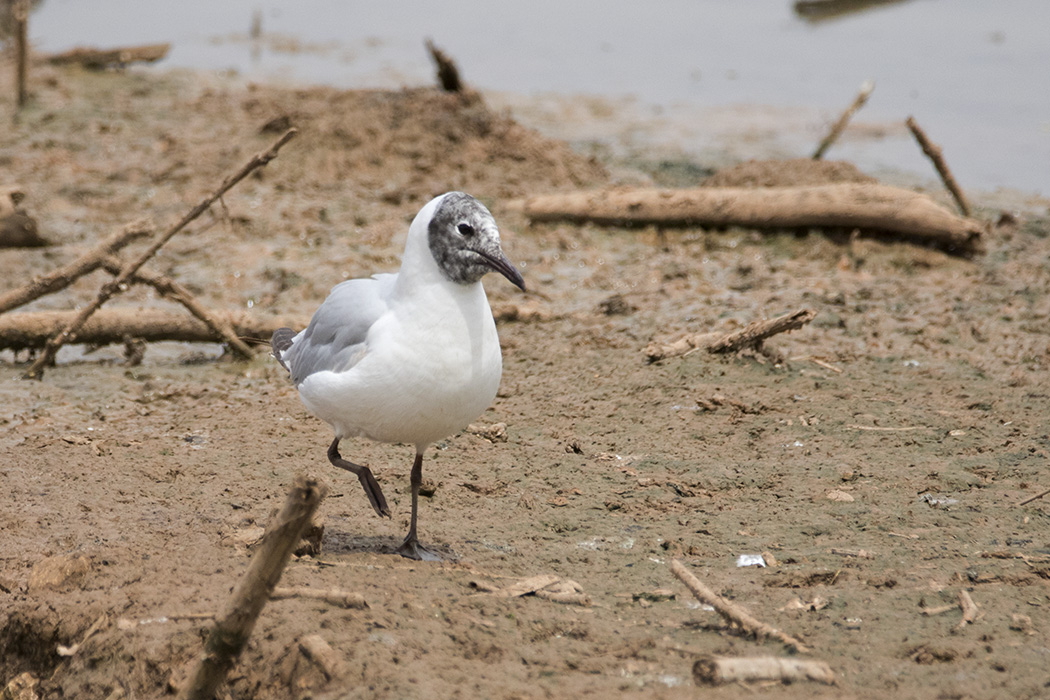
[
  {"x": 98, "y": 59},
  {"x": 31, "y": 330},
  {"x": 868, "y": 207}
]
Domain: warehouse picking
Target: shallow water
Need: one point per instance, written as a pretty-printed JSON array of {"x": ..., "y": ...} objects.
[{"x": 704, "y": 77}]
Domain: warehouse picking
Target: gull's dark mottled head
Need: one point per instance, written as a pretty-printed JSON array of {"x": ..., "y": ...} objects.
[{"x": 464, "y": 241}]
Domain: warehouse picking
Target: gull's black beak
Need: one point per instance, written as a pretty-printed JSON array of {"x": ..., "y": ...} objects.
[{"x": 505, "y": 267}]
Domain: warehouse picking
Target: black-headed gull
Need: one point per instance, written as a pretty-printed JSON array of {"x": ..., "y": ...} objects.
[{"x": 409, "y": 357}]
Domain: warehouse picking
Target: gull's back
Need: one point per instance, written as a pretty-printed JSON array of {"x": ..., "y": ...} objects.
[{"x": 337, "y": 335}]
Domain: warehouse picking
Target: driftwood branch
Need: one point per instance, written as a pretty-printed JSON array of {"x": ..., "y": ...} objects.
[
  {"x": 731, "y": 612},
  {"x": 65, "y": 276},
  {"x": 715, "y": 670},
  {"x": 31, "y": 330},
  {"x": 865, "y": 206},
  {"x": 934, "y": 153},
  {"x": 97, "y": 59},
  {"x": 36, "y": 370},
  {"x": 751, "y": 336},
  {"x": 840, "y": 126},
  {"x": 176, "y": 292},
  {"x": 234, "y": 626}
]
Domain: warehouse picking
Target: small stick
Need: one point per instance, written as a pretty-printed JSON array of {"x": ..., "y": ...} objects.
[
  {"x": 1034, "y": 498},
  {"x": 20, "y": 14},
  {"x": 969, "y": 609},
  {"x": 933, "y": 152},
  {"x": 65, "y": 276},
  {"x": 714, "y": 670},
  {"x": 335, "y": 596},
  {"x": 447, "y": 73},
  {"x": 865, "y": 91},
  {"x": 939, "y": 610},
  {"x": 733, "y": 613},
  {"x": 315, "y": 648},
  {"x": 97, "y": 59},
  {"x": 754, "y": 333},
  {"x": 176, "y": 292},
  {"x": 109, "y": 290},
  {"x": 234, "y": 626}
]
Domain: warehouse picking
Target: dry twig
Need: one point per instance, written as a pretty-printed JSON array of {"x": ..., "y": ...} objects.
[
  {"x": 234, "y": 626},
  {"x": 1034, "y": 498},
  {"x": 934, "y": 153},
  {"x": 65, "y": 276},
  {"x": 751, "y": 336},
  {"x": 714, "y": 670},
  {"x": 36, "y": 370},
  {"x": 731, "y": 612},
  {"x": 836, "y": 130}
]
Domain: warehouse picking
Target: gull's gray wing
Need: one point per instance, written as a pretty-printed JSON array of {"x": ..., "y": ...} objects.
[{"x": 335, "y": 339}]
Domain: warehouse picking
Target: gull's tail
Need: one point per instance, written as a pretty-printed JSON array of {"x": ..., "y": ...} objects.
[{"x": 281, "y": 341}]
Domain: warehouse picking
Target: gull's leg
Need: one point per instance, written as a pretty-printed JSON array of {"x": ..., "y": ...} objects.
[
  {"x": 411, "y": 548},
  {"x": 368, "y": 482}
]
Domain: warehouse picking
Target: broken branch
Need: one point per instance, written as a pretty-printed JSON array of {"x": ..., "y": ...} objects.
[
  {"x": 65, "y": 276},
  {"x": 836, "y": 130},
  {"x": 731, "y": 612},
  {"x": 934, "y": 153},
  {"x": 751, "y": 336},
  {"x": 969, "y": 609},
  {"x": 715, "y": 670},
  {"x": 868, "y": 207},
  {"x": 447, "y": 73},
  {"x": 234, "y": 626},
  {"x": 36, "y": 370},
  {"x": 176, "y": 292}
]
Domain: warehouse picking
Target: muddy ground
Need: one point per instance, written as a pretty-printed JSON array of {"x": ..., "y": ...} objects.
[{"x": 880, "y": 465}]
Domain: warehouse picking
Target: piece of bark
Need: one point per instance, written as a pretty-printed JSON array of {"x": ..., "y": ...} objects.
[
  {"x": 936, "y": 156},
  {"x": 234, "y": 626},
  {"x": 872, "y": 208},
  {"x": 109, "y": 290},
  {"x": 731, "y": 612},
  {"x": 715, "y": 670},
  {"x": 98, "y": 59},
  {"x": 176, "y": 292},
  {"x": 31, "y": 330},
  {"x": 19, "y": 230},
  {"x": 839, "y": 126},
  {"x": 65, "y": 276}
]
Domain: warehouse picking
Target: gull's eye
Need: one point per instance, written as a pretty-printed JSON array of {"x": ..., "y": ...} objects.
[{"x": 465, "y": 230}]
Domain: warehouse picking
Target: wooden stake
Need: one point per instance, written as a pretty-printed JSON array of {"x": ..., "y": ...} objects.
[
  {"x": 933, "y": 152},
  {"x": 447, "y": 73},
  {"x": 731, "y": 612},
  {"x": 234, "y": 626},
  {"x": 109, "y": 290},
  {"x": 836, "y": 130}
]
